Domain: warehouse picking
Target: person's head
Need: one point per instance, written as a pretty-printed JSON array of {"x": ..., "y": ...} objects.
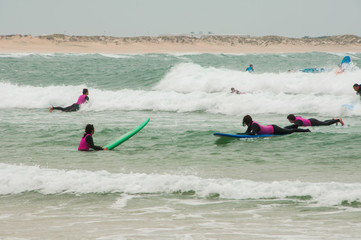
[
  {"x": 291, "y": 118},
  {"x": 85, "y": 91},
  {"x": 251, "y": 66},
  {"x": 232, "y": 89},
  {"x": 247, "y": 120},
  {"x": 356, "y": 87},
  {"x": 89, "y": 129}
]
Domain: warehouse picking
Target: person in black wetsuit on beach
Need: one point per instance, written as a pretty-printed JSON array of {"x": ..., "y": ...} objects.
[
  {"x": 76, "y": 106},
  {"x": 87, "y": 142},
  {"x": 302, "y": 122},
  {"x": 255, "y": 128}
]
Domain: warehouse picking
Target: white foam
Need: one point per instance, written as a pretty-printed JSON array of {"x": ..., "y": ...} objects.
[
  {"x": 190, "y": 87},
  {"x": 16, "y": 179}
]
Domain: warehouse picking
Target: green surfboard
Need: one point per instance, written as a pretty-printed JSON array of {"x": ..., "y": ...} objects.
[{"x": 126, "y": 136}]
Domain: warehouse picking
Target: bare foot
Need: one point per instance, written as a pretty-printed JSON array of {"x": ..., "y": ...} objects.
[
  {"x": 341, "y": 121},
  {"x": 51, "y": 109}
]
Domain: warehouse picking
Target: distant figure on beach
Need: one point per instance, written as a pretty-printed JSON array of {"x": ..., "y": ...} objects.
[
  {"x": 76, "y": 106},
  {"x": 255, "y": 128},
  {"x": 302, "y": 122},
  {"x": 233, "y": 90},
  {"x": 357, "y": 88},
  {"x": 250, "y": 69},
  {"x": 86, "y": 141}
]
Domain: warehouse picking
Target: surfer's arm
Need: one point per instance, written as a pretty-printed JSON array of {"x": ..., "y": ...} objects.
[
  {"x": 253, "y": 129},
  {"x": 89, "y": 140},
  {"x": 295, "y": 125}
]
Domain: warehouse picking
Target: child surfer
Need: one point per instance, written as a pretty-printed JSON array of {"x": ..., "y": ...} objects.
[
  {"x": 255, "y": 128},
  {"x": 302, "y": 122},
  {"x": 86, "y": 141},
  {"x": 76, "y": 106}
]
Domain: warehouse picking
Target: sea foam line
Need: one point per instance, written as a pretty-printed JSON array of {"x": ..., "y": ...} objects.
[{"x": 15, "y": 179}]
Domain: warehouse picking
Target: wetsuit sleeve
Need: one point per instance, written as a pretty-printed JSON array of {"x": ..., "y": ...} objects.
[
  {"x": 89, "y": 140},
  {"x": 86, "y": 98},
  {"x": 253, "y": 129},
  {"x": 296, "y": 124}
]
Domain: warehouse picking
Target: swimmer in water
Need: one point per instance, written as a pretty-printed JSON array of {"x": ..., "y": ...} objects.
[
  {"x": 302, "y": 122},
  {"x": 233, "y": 90},
  {"x": 76, "y": 106},
  {"x": 255, "y": 128},
  {"x": 86, "y": 141},
  {"x": 250, "y": 69}
]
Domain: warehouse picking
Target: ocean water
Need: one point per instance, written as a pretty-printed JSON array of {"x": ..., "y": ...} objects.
[{"x": 174, "y": 179}]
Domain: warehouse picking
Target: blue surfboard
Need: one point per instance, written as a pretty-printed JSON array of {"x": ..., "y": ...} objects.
[
  {"x": 243, "y": 136},
  {"x": 346, "y": 60}
]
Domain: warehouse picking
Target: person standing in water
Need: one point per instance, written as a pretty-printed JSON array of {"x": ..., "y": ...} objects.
[
  {"x": 86, "y": 141},
  {"x": 250, "y": 69},
  {"x": 254, "y": 128},
  {"x": 76, "y": 106},
  {"x": 302, "y": 122}
]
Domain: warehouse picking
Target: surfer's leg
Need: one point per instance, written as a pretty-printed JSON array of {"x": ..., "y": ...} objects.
[
  {"x": 279, "y": 131},
  {"x": 71, "y": 108},
  {"x": 315, "y": 122}
]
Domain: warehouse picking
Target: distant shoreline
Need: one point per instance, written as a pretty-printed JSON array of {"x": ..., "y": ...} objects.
[{"x": 59, "y": 43}]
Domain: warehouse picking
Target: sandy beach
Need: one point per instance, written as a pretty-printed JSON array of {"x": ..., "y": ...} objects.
[{"x": 59, "y": 43}]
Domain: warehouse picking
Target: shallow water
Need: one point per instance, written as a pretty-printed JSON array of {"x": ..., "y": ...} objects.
[{"x": 174, "y": 179}]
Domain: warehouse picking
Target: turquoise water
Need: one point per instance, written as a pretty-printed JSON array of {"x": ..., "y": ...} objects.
[{"x": 174, "y": 179}]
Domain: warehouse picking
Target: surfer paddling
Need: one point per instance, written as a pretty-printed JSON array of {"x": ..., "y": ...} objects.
[
  {"x": 302, "y": 122},
  {"x": 76, "y": 106},
  {"x": 86, "y": 141},
  {"x": 255, "y": 128}
]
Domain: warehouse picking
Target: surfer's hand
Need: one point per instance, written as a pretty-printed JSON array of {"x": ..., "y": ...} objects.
[{"x": 105, "y": 148}]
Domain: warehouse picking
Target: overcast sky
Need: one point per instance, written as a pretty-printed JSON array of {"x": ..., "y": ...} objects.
[{"x": 291, "y": 18}]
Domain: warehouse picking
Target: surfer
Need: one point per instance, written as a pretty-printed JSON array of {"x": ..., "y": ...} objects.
[
  {"x": 86, "y": 141},
  {"x": 302, "y": 122},
  {"x": 74, "y": 107},
  {"x": 233, "y": 90},
  {"x": 250, "y": 69},
  {"x": 357, "y": 88},
  {"x": 256, "y": 128}
]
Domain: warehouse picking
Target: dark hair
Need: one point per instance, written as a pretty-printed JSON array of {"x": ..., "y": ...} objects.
[
  {"x": 291, "y": 117},
  {"x": 88, "y": 129},
  {"x": 355, "y": 85},
  {"x": 247, "y": 120},
  {"x": 85, "y": 91}
]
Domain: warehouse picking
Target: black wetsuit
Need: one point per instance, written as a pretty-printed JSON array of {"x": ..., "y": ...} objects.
[
  {"x": 314, "y": 122},
  {"x": 89, "y": 140},
  {"x": 255, "y": 128},
  {"x": 72, "y": 108}
]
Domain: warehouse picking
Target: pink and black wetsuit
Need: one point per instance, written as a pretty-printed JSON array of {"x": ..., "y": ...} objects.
[
  {"x": 256, "y": 128},
  {"x": 302, "y": 122},
  {"x": 86, "y": 143},
  {"x": 74, "y": 107}
]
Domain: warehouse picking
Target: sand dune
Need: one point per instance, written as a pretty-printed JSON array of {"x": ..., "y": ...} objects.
[{"x": 59, "y": 43}]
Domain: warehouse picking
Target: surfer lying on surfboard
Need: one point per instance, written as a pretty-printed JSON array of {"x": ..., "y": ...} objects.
[
  {"x": 256, "y": 128},
  {"x": 76, "y": 106},
  {"x": 86, "y": 141},
  {"x": 302, "y": 122}
]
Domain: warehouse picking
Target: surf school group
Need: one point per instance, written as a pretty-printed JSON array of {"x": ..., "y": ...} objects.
[{"x": 254, "y": 129}]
